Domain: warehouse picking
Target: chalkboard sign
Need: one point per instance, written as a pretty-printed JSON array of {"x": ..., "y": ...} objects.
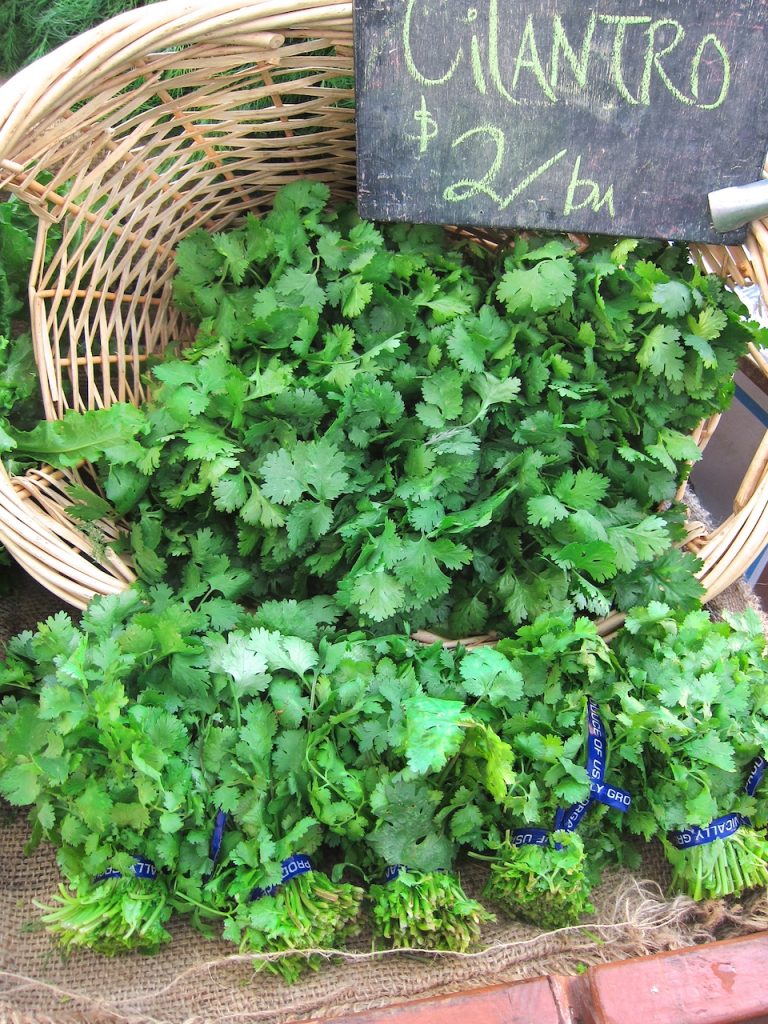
[{"x": 616, "y": 118}]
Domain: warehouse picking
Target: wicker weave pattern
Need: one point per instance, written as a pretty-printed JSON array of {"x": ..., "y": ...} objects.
[{"x": 174, "y": 116}]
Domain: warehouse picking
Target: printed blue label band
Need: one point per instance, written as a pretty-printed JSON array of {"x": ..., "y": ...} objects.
[
  {"x": 531, "y": 837},
  {"x": 723, "y": 827},
  {"x": 144, "y": 869},
  {"x": 218, "y": 835},
  {"x": 756, "y": 773},
  {"x": 111, "y": 873},
  {"x": 720, "y": 828},
  {"x": 141, "y": 869},
  {"x": 291, "y": 867},
  {"x": 597, "y": 747},
  {"x": 596, "y": 743},
  {"x": 568, "y": 819},
  {"x": 611, "y": 796}
]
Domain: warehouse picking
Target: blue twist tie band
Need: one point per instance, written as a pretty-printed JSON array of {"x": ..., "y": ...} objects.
[
  {"x": 141, "y": 869},
  {"x": 112, "y": 873},
  {"x": 218, "y": 835},
  {"x": 723, "y": 827},
  {"x": 720, "y": 828},
  {"x": 756, "y": 773},
  {"x": 530, "y": 837},
  {"x": 597, "y": 746},
  {"x": 393, "y": 872},
  {"x": 144, "y": 869},
  {"x": 291, "y": 867},
  {"x": 569, "y": 819}
]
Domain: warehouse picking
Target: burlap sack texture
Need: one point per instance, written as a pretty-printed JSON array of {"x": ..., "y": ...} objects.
[{"x": 194, "y": 981}]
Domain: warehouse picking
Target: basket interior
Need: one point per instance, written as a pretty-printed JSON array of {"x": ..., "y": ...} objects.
[
  {"x": 180, "y": 116},
  {"x": 188, "y": 136}
]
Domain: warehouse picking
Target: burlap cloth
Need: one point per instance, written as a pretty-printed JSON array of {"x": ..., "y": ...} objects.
[{"x": 194, "y": 981}]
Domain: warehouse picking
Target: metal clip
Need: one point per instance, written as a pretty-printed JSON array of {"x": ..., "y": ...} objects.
[{"x": 736, "y": 206}]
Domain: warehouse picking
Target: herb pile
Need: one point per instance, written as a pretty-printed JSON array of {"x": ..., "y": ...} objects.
[
  {"x": 245, "y": 764},
  {"x": 379, "y": 429},
  {"x": 433, "y": 434}
]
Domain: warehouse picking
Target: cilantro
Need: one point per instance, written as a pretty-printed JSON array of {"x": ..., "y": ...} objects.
[
  {"x": 357, "y": 394},
  {"x": 418, "y": 910},
  {"x": 546, "y": 886},
  {"x": 693, "y": 714},
  {"x": 542, "y": 287}
]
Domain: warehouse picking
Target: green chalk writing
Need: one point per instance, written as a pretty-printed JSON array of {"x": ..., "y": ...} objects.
[
  {"x": 717, "y": 46},
  {"x": 590, "y": 194},
  {"x": 653, "y": 58},
  {"x": 560, "y": 44},
  {"x": 427, "y": 126},
  {"x": 622, "y": 22},
  {"x": 582, "y": 193},
  {"x": 467, "y": 188},
  {"x": 411, "y": 63},
  {"x": 642, "y": 57},
  {"x": 528, "y": 57}
]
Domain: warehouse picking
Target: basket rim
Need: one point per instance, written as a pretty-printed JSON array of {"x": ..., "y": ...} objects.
[{"x": 53, "y": 82}]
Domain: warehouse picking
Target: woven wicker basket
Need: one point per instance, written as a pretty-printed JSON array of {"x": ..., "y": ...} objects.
[{"x": 173, "y": 116}]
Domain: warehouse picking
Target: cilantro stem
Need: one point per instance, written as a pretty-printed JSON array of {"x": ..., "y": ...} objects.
[
  {"x": 208, "y": 910},
  {"x": 235, "y": 703}
]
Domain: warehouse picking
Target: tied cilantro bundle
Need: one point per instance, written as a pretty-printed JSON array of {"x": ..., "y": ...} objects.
[
  {"x": 95, "y": 749},
  {"x": 694, "y": 717},
  {"x": 252, "y": 749},
  {"x": 414, "y": 910},
  {"x": 307, "y": 913},
  {"x": 540, "y": 689},
  {"x": 106, "y": 775},
  {"x": 399, "y": 768},
  {"x": 545, "y": 884},
  {"x": 434, "y": 434},
  {"x": 116, "y": 915}
]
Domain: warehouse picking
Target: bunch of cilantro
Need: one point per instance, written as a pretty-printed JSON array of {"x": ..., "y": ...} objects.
[
  {"x": 137, "y": 734},
  {"x": 219, "y": 745},
  {"x": 413, "y": 767},
  {"x": 132, "y": 734},
  {"x": 126, "y": 732},
  {"x": 105, "y": 775},
  {"x": 430, "y": 431},
  {"x": 691, "y": 720},
  {"x": 533, "y": 689}
]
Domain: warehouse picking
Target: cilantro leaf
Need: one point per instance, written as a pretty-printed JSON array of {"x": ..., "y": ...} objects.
[
  {"x": 662, "y": 353},
  {"x": 542, "y": 287}
]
